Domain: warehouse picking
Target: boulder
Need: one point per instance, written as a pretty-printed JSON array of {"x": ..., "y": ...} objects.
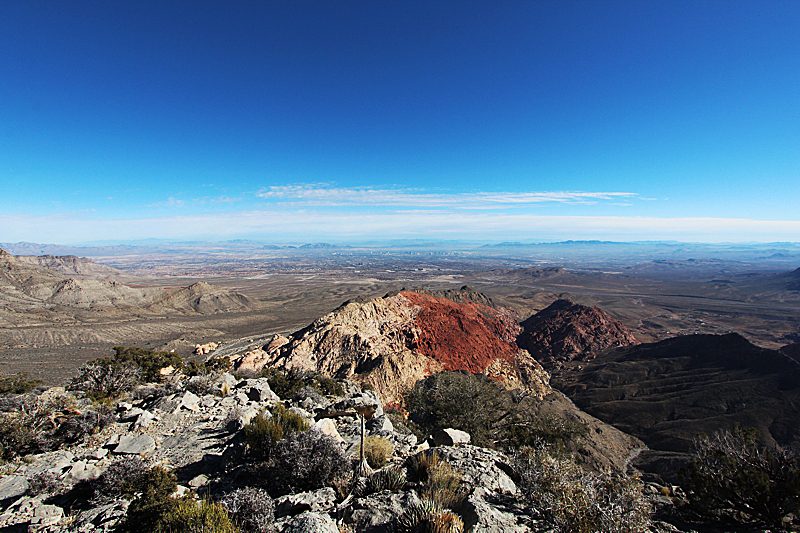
[
  {"x": 484, "y": 512},
  {"x": 189, "y": 401},
  {"x": 379, "y": 424},
  {"x": 258, "y": 390},
  {"x": 317, "y": 501},
  {"x": 12, "y": 487},
  {"x": 144, "y": 420},
  {"x": 82, "y": 471},
  {"x": 376, "y": 513},
  {"x": 450, "y": 437},
  {"x": 480, "y": 467},
  {"x": 135, "y": 445},
  {"x": 309, "y": 522},
  {"x": 326, "y": 426},
  {"x": 45, "y": 516}
]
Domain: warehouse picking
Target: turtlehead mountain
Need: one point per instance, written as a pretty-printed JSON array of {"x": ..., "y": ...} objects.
[{"x": 393, "y": 341}]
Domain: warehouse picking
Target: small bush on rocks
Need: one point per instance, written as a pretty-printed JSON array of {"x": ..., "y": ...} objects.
[
  {"x": 286, "y": 384},
  {"x": 262, "y": 433},
  {"x": 45, "y": 483},
  {"x": 305, "y": 461},
  {"x": 251, "y": 509},
  {"x": 151, "y": 507},
  {"x": 390, "y": 479},
  {"x": 191, "y": 516},
  {"x": 377, "y": 451},
  {"x": 428, "y": 517},
  {"x": 104, "y": 379},
  {"x": 149, "y": 362},
  {"x": 122, "y": 478},
  {"x": 732, "y": 475},
  {"x": 19, "y": 384},
  {"x": 440, "y": 482},
  {"x": 574, "y": 501}
]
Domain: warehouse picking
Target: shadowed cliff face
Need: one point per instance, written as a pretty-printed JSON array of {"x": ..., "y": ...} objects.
[
  {"x": 394, "y": 341},
  {"x": 566, "y": 331},
  {"x": 667, "y": 392}
]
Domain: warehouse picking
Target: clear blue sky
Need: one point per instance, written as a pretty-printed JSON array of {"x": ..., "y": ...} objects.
[{"x": 342, "y": 120}]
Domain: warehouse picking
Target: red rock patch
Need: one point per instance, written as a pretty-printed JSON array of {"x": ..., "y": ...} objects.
[{"x": 461, "y": 336}]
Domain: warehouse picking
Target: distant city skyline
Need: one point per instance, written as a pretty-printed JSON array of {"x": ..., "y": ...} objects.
[{"x": 352, "y": 121}]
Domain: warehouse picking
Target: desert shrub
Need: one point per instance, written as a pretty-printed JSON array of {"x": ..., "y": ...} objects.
[
  {"x": 105, "y": 378},
  {"x": 732, "y": 475},
  {"x": 492, "y": 415},
  {"x": 308, "y": 393},
  {"x": 377, "y": 451},
  {"x": 18, "y": 384},
  {"x": 78, "y": 426},
  {"x": 122, "y": 478},
  {"x": 392, "y": 479},
  {"x": 251, "y": 509},
  {"x": 201, "y": 385},
  {"x": 262, "y": 433},
  {"x": 305, "y": 461},
  {"x": 17, "y": 438},
  {"x": 286, "y": 383},
  {"x": 428, "y": 517},
  {"x": 191, "y": 516},
  {"x": 148, "y": 511},
  {"x": 45, "y": 483},
  {"x": 149, "y": 362},
  {"x": 574, "y": 501},
  {"x": 440, "y": 483}
]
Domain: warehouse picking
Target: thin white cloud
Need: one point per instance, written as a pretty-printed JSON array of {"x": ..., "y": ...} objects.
[
  {"x": 279, "y": 225},
  {"x": 322, "y": 194}
]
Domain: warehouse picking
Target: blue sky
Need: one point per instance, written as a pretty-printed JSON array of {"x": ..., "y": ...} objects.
[{"x": 348, "y": 120}]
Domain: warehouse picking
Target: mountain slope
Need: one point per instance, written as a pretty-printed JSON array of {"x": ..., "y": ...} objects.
[
  {"x": 565, "y": 331},
  {"x": 394, "y": 341},
  {"x": 667, "y": 392}
]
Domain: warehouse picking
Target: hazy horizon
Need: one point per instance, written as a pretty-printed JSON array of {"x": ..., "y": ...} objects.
[{"x": 355, "y": 121}]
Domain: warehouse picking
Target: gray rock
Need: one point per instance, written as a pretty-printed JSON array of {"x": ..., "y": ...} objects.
[
  {"x": 326, "y": 426},
  {"x": 244, "y": 418},
  {"x": 226, "y": 382},
  {"x": 480, "y": 467},
  {"x": 317, "y": 501},
  {"x": 101, "y": 518},
  {"x": 493, "y": 516},
  {"x": 130, "y": 414},
  {"x": 167, "y": 404},
  {"x": 258, "y": 390},
  {"x": 189, "y": 401},
  {"x": 45, "y": 515},
  {"x": 309, "y": 522},
  {"x": 377, "y": 513},
  {"x": 450, "y": 437},
  {"x": 145, "y": 419},
  {"x": 81, "y": 471},
  {"x": 112, "y": 441},
  {"x": 379, "y": 424},
  {"x": 198, "y": 481},
  {"x": 99, "y": 453},
  {"x": 135, "y": 444},
  {"x": 54, "y": 462},
  {"x": 12, "y": 487},
  {"x": 364, "y": 398}
]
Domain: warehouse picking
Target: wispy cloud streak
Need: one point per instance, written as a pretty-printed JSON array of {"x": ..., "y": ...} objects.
[{"x": 321, "y": 194}]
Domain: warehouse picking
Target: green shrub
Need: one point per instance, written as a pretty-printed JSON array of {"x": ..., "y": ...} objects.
[
  {"x": 214, "y": 364},
  {"x": 305, "y": 461},
  {"x": 428, "y": 517},
  {"x": 17, "y": 437},
  {"x": 262, "y": 433},
  {"x": 440, "y": 482},
  {"x": 733, "y": 476},
  {"x": 19, "y": 384},
  {"x": 391, "y": 479},
  {"x": 574, "y": 501},
  {"x": 150, "y": 362},
  {"x": 150, "y": 509},
  {"x": 492, "y": 416},
  {"x": 45, "y": 483},
  {"x": 377, "y": 451},
  {"x": 190, "y": 516},
  {"x": 105, "y": 379},
  {"x": 287, "y": 383}
]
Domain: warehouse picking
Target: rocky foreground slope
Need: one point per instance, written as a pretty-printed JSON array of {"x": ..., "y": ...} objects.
[{"x": 193, "y": 428}]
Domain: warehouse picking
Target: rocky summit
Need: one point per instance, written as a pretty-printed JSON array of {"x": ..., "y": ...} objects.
[
  {"x": 394, "y": 341},
  {"x": 566, "y": 331}
]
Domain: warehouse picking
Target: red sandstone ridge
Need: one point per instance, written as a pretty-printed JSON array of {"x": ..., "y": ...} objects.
[
  {"x": 462, "y": 336},
  {"x": 394, "y": 341},
  {"x": 565, "y": 331}
]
